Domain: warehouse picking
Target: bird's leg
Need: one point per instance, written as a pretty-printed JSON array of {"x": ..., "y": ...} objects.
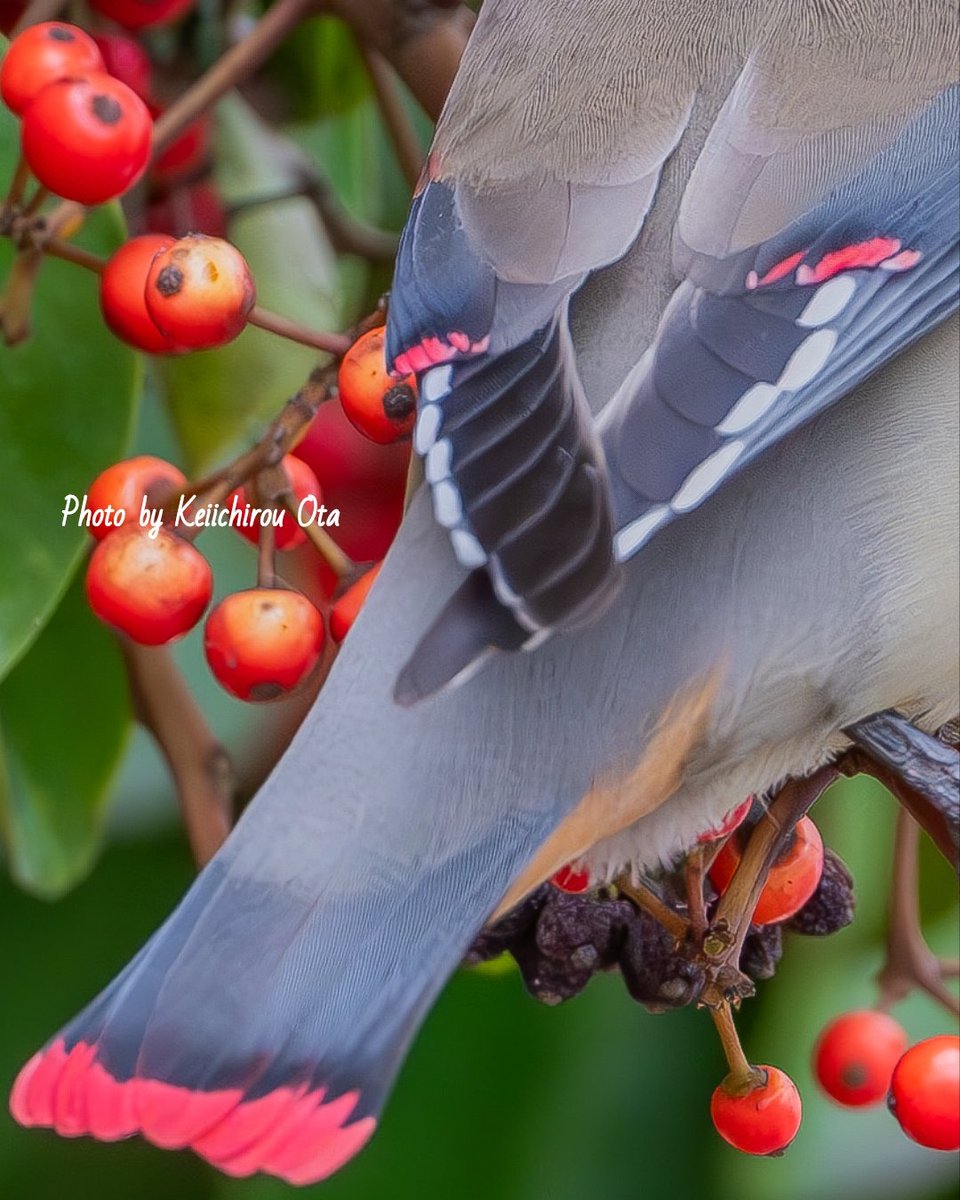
[
  {"x": 910, "y": 962},
  {"x": 922, "y": 771},
  {"x": 724, "y": 938}
]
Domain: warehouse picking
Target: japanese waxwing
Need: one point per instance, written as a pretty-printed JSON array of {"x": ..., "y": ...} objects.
[{"x": 694, "y": 619}]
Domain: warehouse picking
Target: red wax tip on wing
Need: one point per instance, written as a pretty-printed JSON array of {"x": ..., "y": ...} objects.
[
  {"x": 111, "y": 1114},
  {"x": 240, "y": 1142},
  {"x": 69, "y": 1093},
  {"x": 323, "y": 1144},
  {"x": 870, "y": 253},
  {"x": 777, "y": 271},
  {"x": 31, "y": 1101},
  {"x": 171, "y": 1116}
]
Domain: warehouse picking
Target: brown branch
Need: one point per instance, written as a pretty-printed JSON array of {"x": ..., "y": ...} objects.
[
  {"x": 36, "y": 12},
  {"x": 406, "y": 144},
  {"x": 646, "y": 899},
  {"x": 199, "y": 765}
]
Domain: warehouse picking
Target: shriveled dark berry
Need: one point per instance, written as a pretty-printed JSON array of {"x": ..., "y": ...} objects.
[
  {"x": 831, "y": 906},
  {"x": 570, "y": 924},
  {"x": 655, "y": 974},
  {"x": 513, "y": 929},
  {"x": 762, "y": 950},
  {"x": 550, "y": 980}
]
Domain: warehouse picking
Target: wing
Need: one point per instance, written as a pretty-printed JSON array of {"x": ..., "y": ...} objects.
[{"x": 858, "y": 219}]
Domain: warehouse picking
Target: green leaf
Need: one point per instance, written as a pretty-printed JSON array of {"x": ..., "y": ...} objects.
[
  {"x": 64, "y": 719},
  {"x": 67, "y": 401},
  {"x": 221, "y": 398},
  {"x": 319, "y": 68}
]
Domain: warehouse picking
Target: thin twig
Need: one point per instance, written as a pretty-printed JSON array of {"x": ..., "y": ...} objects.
[
  {"x": 336, "y": 559},
  {"x": 743, "y": 1076},
  {"x": 37, "y": 11},
  {"x": 199, "y": 765},
  {"x": 293, "y": 331},
  {"x": 647, "y": 899},
  {"x": 910, "y": 963},
  {"x": 18, "y": 185},
  {"x": 57, "y": 248},
  {"x": 406, "y": 144}
]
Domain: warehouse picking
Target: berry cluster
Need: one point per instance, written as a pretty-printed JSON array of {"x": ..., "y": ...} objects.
[{"x": 569, "y": 929}]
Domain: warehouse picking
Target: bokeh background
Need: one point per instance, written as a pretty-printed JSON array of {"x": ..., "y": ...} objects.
[{"x": 501, "y": 1099}]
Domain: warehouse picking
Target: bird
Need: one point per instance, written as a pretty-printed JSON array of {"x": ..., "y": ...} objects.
[{"x": 679, "y": 283}]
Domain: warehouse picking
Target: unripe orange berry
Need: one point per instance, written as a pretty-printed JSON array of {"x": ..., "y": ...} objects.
[
  {"x": 200, "y": 292},
  {"x": 792, "y": 880}
]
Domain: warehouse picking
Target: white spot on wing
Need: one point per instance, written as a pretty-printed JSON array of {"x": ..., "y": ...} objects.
[
  {"x": 828, "y": 302},
  {"x": 428, "y": 426},
  {"x": 749, "y": 408},
  {"x": 631, "y": 537},
  {"x": 447, "y": 506},
  {"x": 437, "y": 463},
  {"x": 435, "y": 383},
  {"x": 807, "y": 360},
  {"x": 703, "y": 479},
  {"x": 468, "y": 550}
]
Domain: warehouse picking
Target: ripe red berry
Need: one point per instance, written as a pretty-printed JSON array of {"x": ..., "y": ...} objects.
[
  {"x": 152, "y": 589},
  {"x": 571, "y": 881},
  {"x": 289, "y": 533},
  {"x": 733, "y": 820},
  {"x": 123, "y": 286},
  {"x": 126, "y": 60},
  {"x": 793, "y": 877},
  {"x": 87, "y": 139},
  {"x": 200, "y": 292},
  {"x": 263, "y": 643},
  {"x": 139, "y": 14},
  {"x": 764, "y": 1120},
  {"x": 382, "y": 408},
  {"x": 925, "y": 1092},
  {"x": 347, "y": 608},
  {"x": 855, "y": 1056},
  {"x": 41, "y": 55},
  {"x": 124, "y": 486}
]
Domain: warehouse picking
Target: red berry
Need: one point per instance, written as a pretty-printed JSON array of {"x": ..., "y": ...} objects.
[
  {"x": 569, "y": 880},
  {"x": 765, "y": 1120},
  {"x": 185, "y": 157},
  {"x": 733, "y": 820},
  {"x": 152, "y": 589},
  {"x": 196, "y": 208},
  {"x": 87, "y": 139},
  {"x": 123, "y": 294},
  {"x": 139, "y": 14},
  {"x": 41, "y": 55},
  {"x": 382, "y": 408},
  {"x": 792, "y": 880},
  {"x": 855, "y": 1056},
  {"x": 126, "y": 60},
  {"x": 200, "y": 292},
  {"x": 925, "y": 1092},
  {"x": 124, "y": 486},
  {"x": 365, "y": 481},
  {"x": 289, "y": 533},
  {"x": 347, "y": 608},
  {"x": 263, "y": 643}
]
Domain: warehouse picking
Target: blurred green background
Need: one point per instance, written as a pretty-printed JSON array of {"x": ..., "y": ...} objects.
[{"x": 501, "y": 1099}]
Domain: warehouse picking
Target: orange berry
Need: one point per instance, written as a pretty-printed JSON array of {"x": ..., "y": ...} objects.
[{"x": 381, "y": 407}]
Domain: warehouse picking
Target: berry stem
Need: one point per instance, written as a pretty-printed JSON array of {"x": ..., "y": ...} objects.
[
  {"x": 694, "y": 874},
  {"x": 18, "y": 185},
  {"x": 57, "y": 248},
  {"x": 232, "y": 68},
  {"x": 17, "y": 297},
  {"x": 332, "y": 343},
  {"x": 338, "y": 562},
  {"x": 406, "y": 143},
  {"x": 732, "y": 919},
  {"x": 266, "y": 558},
  {"x": 645, "y": 898},
  {"x": 743, "y": 1076},
  {"x": 910, "y": 963},
  {"x": 200, "y": 766},
  {"x": 36, "y": 201}
]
